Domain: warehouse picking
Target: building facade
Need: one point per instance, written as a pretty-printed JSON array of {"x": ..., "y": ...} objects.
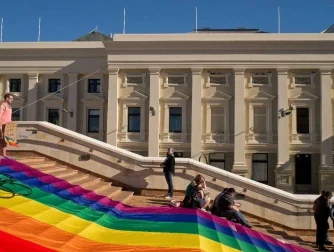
[{"x": 259, "y": 105}]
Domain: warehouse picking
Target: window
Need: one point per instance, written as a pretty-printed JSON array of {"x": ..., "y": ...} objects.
[
  {"x": 217, "y": 79},
  {"x": 15, "y": 85},
  {"x": 93, "y": 120},
  {"x": 53, "y": 116},
  {"x": 303, "y": 79},
  {"x": 54, "y": 85},
  {"x": 217, "y": 120},
  {"x": 178, "y": 154},
  {"x": 303, "y": 121},
  {"x": 260, "y": 115},
  {"x": 217, "y": 160},
  {"x": 134, "y": 119},
  {"x": 260, "y": 167},
  {"x": 176, "y": 79},
  {"x": 94, "y": 85},
  {"x": 260, "y": 79},
  {"x": 175, "y": 119},
  {"x": 16, "y": 114}
]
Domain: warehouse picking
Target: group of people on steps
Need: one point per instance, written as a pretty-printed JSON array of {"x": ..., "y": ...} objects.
[{"x": 197, "y": 195}]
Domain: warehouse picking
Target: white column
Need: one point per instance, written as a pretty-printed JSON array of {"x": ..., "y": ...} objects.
[
  {"x": 239, "y": 166},
  {"x": 32, "y": 97},
  {"x": 283, "y": 170},
  {"x": 326, "y": 119},
  {"x": 112, "y": 113},
  {"x": 154, "y": 116},
  {"x": 72, "y": 101},
  {"x": 196, "y": 114}
]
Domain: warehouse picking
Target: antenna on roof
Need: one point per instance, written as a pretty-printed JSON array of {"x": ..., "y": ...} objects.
[
  {"x": 196, "y": 19},
  {"x": 279, "y": 20},
  {"x": 39, "y": 29},
  {"x": 124, "y": 22},
  {"x": 1, "y": 28}
]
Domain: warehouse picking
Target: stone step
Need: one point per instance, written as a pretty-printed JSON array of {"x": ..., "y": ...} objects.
[
  {"x": 62, "y": 174},
  {"x": 97, "y": 188},
  {"x": 44, "y": 164},
  {"x": 26, "y": 160},
  {"x": 89, "y": 181},
  {"x": 123, "y": 196},
  {"x": 54, "y": 168},
  {"x": 111, "y": 191},
  {"x": 76, "y": 179}
]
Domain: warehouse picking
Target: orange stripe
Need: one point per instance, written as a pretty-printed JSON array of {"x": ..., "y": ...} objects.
[{"x": 52, "y": 237}]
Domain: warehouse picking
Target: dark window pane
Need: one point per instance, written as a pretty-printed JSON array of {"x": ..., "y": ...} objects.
[
  {"x": 15, "y": 85},
  {"x": 94, "y": 85},
  {"x": 134, "y": 119},
  {"x": 93, "y": 121},
  {"x": 53, "y": 116},
  {"x": 54, "y": 85},
  {"x": 260, "y": 167},
  {"x": 303, "y": 122},
  {"x": 175, "y": 120},
  {"x": 217, "y": 160},
  {"x": 16, "y": 114},
  {"x": 303, "y": 166}
]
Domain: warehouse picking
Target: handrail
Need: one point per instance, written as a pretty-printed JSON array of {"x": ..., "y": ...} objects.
[{"x": 34, "y": 131}]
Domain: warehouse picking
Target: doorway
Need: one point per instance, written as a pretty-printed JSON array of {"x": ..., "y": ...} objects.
[{"x": 303, "y": 171}]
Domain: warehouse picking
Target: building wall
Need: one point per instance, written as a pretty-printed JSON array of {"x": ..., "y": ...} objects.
[{"x": 249, "y": 56}]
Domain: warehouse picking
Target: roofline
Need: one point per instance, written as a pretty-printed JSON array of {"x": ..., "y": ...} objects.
[
  {"x": 53, "y": 45},
  {"x": 261, "y": 37}
]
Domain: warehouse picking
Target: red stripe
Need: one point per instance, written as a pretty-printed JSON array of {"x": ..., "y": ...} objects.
[{"x": 10, "y": 243}]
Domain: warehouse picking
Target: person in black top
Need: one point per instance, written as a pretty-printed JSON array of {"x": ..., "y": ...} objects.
[
  {"x": 226, "y": 207},
  {"x": 169, "y": 169},
  {"x": 322, "y": 211}
]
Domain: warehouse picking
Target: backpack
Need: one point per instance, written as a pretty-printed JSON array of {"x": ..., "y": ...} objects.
[{"x": 195, "y": 197}]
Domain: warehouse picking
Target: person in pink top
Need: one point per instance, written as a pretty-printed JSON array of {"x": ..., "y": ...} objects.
[{"x": 5, "y": 117}]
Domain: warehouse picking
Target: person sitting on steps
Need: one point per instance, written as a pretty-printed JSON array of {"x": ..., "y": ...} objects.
[{"x": 226, "y": 207}]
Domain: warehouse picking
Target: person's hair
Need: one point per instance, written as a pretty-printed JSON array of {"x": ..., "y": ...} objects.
[
  {"x": 7, "y": 95},
  {"x": 328, "y": 194},
  {"x": 198, "y": 179},
  {"x": 231, "y": 190},
  {"x": 225, "y": 189},
  {"x": 323, "y": 192}
]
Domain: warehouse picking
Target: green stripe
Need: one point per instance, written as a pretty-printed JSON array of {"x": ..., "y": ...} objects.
[{"x": 108, "y": 221}]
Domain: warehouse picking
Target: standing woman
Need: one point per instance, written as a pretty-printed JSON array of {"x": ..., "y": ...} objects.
[
  {"x": 169, "y": 169},
  {"x": 5, "y": 117}
]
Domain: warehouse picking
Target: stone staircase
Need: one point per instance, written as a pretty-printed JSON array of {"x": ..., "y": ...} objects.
[
  {"x": 73, "y": 176},
  {"x": 101, "y": 186}
]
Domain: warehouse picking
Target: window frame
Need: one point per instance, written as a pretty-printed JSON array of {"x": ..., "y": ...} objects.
[
  {"x": 309, "y": 75},
  {"x": 48, "y": 116},
  {"x": 309, "y": 120},
  {"x": 169, "y": 75},
  {"x": 255, "y": 74},
  {"x": 134, "y": 114},
  {"x": 134, "y": 75},
  {"x": 260, "y": 162},
  {"x": 217, "y": 160},
  {"x": 170, "y": 116},
  {"x": 88, "y": 121},
  {"x": 88, "y": 85},
  {"x": 218, "y": 74},
  {"x": 48, "y": 85}
]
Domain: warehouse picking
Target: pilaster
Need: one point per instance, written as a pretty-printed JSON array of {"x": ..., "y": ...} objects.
[
  {"x": 154, "y": 113},
  {"x": 31, "y": 110},
  {"x": 72, "y": 106},
  {"x": 283, "y": 171},
  {"x": 112, "y": 113},
  {"x": 196, "y": 113},
  {"x": 239, "y": 165}
]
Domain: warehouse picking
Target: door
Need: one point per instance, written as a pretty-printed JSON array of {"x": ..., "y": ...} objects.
[{"x": 303, "y": 171}]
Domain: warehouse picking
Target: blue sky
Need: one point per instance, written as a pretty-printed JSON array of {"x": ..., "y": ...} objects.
[{"x": 65, "y": 20}]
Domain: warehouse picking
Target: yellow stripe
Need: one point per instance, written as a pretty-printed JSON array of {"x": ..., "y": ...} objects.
[{"x": 90, "y": 230}]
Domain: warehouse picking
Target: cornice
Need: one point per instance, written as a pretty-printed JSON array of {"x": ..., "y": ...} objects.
[{"x": 50, "y": 57}]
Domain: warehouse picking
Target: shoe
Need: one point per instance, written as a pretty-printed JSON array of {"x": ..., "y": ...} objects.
[
  {"x": 328, "y": 243},
  {"x": 322, "y": 248},
  {"x": 168, "y": 197}
]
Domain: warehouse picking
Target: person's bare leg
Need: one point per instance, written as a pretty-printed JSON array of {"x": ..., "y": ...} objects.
[{"x": 4, "y": 151}]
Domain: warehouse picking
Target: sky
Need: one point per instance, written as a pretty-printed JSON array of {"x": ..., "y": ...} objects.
[{"x": 66, "y": 20}]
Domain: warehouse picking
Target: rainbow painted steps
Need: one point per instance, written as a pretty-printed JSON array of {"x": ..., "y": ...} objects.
[{"x": 55, "y": 214}]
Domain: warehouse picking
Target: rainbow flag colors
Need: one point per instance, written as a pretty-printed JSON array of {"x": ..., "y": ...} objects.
[
  {"x": 43, "y": 213},
  {"x": 11, "y": 141}
]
